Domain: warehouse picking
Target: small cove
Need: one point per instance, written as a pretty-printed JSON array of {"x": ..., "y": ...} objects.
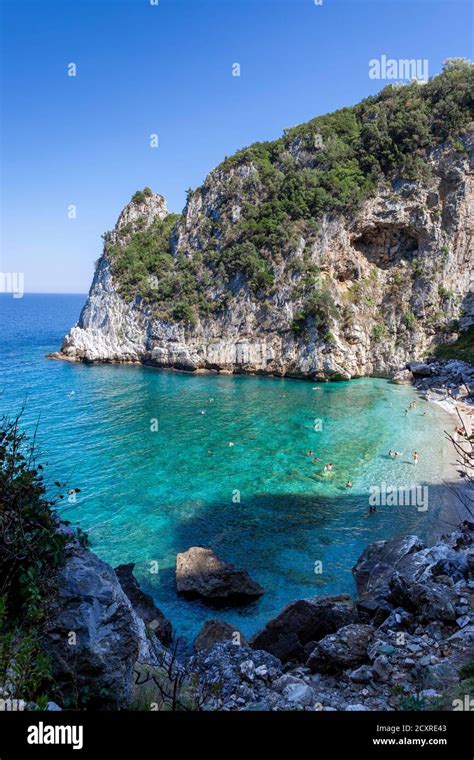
[{"x": 260, "y": 503}]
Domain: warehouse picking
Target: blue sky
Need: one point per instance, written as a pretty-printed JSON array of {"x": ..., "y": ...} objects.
[{"x": 167, "y": 69}]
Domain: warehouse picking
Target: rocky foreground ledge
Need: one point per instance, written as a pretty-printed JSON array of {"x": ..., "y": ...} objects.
[{"x": 406, "y": 642}]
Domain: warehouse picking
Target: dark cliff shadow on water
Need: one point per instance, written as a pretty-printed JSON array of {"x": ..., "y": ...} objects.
[{"x": 298, "y": 546}]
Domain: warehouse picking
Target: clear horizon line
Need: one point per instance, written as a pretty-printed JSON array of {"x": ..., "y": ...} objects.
[{"x": 49, "y": 293}]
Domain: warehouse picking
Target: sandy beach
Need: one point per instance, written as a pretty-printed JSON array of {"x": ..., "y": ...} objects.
[{"x": 453, "y": 511}]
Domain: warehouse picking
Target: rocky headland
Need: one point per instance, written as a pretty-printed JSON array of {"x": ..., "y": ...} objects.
[{"x": 340, "y": 250}]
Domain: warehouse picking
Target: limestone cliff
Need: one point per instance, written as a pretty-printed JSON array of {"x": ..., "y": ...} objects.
[{"x": 323, "y": 254}]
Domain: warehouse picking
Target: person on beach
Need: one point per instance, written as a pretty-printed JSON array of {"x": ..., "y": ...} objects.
[{"x": 416, "y": 457}]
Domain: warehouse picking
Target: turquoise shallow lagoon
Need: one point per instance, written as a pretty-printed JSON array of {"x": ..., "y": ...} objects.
[{"x": 261, "y": 503}]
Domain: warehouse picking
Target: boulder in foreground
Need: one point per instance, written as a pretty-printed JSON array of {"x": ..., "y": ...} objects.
[
  {"x": 201, "y": 573},
  {"x": 214, "y": 631},
  {"x": 303, "y": 621},
  {"x": 93, "y": 635},
  {"x": 347, "y": 648}
]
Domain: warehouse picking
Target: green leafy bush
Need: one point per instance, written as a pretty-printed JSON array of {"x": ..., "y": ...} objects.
[
  {"x": 31, "y": 550},
  {"x": 409, "y": 318},
  {"x": 378, "y": 331},
  {"x": 462, "y": 348}
]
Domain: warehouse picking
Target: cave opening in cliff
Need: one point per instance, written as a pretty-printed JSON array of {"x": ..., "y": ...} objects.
[{"x": 387, "y": 245}]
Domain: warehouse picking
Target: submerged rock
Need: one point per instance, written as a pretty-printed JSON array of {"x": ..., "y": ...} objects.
[{"x": 201, "y": 573}]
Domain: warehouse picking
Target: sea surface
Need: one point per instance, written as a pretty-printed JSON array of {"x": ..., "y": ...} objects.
[{"x": 167, "y": 460}]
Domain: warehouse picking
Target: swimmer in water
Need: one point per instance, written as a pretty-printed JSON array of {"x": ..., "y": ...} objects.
[
  {"x": 328, "y": 467},
  {"x": 349, "y": 484},
  {"x": 416, "y": 457},
  {"x": 230, "y": 443},
  {"x": 310, "y": 453}
]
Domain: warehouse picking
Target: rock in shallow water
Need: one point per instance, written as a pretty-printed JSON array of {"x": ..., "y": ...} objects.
[{"x": 201, "y": 573}]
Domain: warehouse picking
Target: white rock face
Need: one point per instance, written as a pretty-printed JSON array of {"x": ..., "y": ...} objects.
[
  {"x": 147, "y": 210},
  {"x": 108, "y": 329},
  {"x": 364, "y": 258}
]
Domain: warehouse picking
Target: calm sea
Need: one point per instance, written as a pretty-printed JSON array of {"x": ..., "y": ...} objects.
[{"x": 150, "y": 452}]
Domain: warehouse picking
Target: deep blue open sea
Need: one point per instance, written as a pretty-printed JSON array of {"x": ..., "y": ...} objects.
[{"x": 262, "y": 503}]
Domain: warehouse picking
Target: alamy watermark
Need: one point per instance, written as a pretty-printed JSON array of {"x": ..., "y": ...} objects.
[
  {"x": 12, "y": 282},
  {"x": 401, "y": 69},
  {"x": 15, "y": 705},
  {"x": 385, "y": 495}
]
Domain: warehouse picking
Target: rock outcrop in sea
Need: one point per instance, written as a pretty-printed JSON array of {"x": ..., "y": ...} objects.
[
  {"x": 325, "y": 258},
  {"x": 201, "y": 573}
]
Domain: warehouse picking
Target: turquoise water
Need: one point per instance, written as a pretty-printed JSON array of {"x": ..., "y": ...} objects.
[{"x": 261, "y": 503}]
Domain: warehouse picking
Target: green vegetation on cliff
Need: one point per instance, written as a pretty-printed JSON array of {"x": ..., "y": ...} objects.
[
  {"x": 269, "y": 198},
  {"x": 462, "y": 348},
  {"x": 31, "y": 549}
]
